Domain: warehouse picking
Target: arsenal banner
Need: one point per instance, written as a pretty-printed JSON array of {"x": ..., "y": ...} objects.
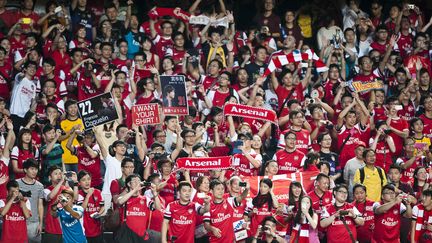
[
  {"x": 250, "y": 112},
  {"x": 281, "y": 183},
  {"x": 204, "y": 164}
]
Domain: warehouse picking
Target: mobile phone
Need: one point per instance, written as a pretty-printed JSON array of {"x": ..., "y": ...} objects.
[
  {"x": 411, "y": 6},
  {"x": 58, "y": 9},
  {"x": 68, "y": 174},
  {"x": 398, "y": 107},
  {"x": 145, "y": 183},
  {"x": 242, "y": 184},
  {"x": 290, "y": 208},
  {"x": 201, "y": 195},
  {"x": 420, "y": 146},
  {"x": 26, "y": 20},
  {"x": 236, "y": 147}
]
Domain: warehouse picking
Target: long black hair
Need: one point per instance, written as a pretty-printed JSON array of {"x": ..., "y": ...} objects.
[
  {"x": 259, "y": 200},
  {"x": 298, "y": 216},
  {"x": 291, "y": 197}
]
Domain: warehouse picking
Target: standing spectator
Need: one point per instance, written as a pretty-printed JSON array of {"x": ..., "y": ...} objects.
[
  {"x": 365, "y": 207},
  {"x": 268, "y": 18},
  {"x": 353, "y": 165},
  {"x": 373, "y": 177},
  {"x": 180, "y": 216},
  {"x": 289, "y": 159},
  {"x": 421, "y": 219},
  {"x": 4, "y": 159},
  {"x": 22, "y": 151},
  {"x": 383, "y": 145},
  {"x": 326, "y": 155},
  {"x": 53, "y": 230},
  {"x": 69, "y": 125},
  {"x": 70, "y": 215},
  {"x": 219, "y": 220},
  {"x": 30, "y": 184},
  {"x": 263, "y": 204},
  {"x": 266, "y": 232},
  {"x": 410, "y": 160},
  {"x": 90, "y": 199},
  {"x": 51, "y": 151},
  {"x": 388, "y": 215},
  {"x": 321, "y": 195},
  {"x": 306, "y": 222},
  {"x": 341, "y": 218},
  {"x": 82, "y": 15},
  {"x": 23, "y": 93},
  {"x": 15, "y": 209},
  {"x": 6, "y": 15}
]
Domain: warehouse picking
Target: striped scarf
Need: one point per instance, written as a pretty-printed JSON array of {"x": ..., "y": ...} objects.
[
  {"x": 282, "y": 60},
  {"x": 420, "y": 223}
]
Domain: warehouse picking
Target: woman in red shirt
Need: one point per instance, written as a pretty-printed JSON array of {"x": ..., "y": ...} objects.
[
  {"x": 22, "y": 151},
  {"x": 262, "y": 205}
]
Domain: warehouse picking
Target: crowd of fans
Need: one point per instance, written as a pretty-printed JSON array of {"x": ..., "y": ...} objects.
[{"x": 370, "y": 147}]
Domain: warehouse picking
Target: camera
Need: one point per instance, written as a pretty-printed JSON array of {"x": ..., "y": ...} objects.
[
  {"x": 242, "y": 184},
  {"x": 264, "y": 228},
  {"x": 329, "y": 126},
  {"x": 63, "y": 199},
  {"x": 68, "y": 174},
  {"x": 132, "y": 133},
  {"x": 213, "y": 124},
  {"x": 387, "y": 131},
  {"x": 311, "y": 101},
  {"x": 79, "y": 138},
  {"x": 343, "y": 213},
  {"x": 25, "y": 194},
  {"x": 145, "y": 183}
]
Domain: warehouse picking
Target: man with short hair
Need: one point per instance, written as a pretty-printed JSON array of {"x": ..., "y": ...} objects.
[
  {"x": 388, "y": 215},
  {"x": 353, "y": 165},
  {"x": 51, "y": 151},
  {"x": 14, "y": 211},
  {"x": 340, "y": 219},
  {"x": 321, "y": 196},
  {"x": 181, "y": 215},
  {"x": 23, "y": 93},
  {"x": 30, "y": 184},
  {"x": 289, "y": 159}
]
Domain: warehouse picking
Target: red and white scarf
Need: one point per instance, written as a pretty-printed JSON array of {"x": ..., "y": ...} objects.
[{"x": 281, "y": 60}]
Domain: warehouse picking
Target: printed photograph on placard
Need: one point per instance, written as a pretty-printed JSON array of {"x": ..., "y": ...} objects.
[{"x": 174, "y": 98}]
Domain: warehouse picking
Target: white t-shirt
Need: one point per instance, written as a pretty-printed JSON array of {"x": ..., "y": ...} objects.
[
  {"x": 22, "y": 94},
  {"x": 112, "y": 172}
]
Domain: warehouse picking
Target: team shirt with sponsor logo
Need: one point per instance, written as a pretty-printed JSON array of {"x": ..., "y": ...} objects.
[
  {"x": 182, "y": 220},
  {"x": 92, "y": 227},
  {"x": 387, "y": 225},
  {"x": 289, "y": 162},
  {"x": 336, "y": 231},
  {"x": 221, "y": 217},
  {"x": 14, "y": 222}
]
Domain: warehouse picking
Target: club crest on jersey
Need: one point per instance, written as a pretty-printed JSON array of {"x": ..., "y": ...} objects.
[
  {"x": 225, "y": 206},
  {"x": 296, "y": 157},
  {"x": 190, "y": 210},
  {"x": 395, "y": 211},
  {"x": 142, "y": 202}
]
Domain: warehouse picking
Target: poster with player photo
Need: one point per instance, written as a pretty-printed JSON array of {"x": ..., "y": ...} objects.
[
  {"x": 97, "y": 110},
  {"x": 174, "y": 96}
]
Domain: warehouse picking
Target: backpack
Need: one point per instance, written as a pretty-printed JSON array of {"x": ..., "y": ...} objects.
[{"x": 380, "y": 172}]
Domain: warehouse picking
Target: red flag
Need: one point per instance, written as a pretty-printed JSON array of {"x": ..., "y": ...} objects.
[{"x": 281, "y": 183}]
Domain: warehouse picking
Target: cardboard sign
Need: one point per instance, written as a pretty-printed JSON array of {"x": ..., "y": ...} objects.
[
  {"x": 360, "y": 86},
  {"x": 97, "y": 110},
  {"x": 147, "y": 114},
  {"x": 174, "y": 96}
]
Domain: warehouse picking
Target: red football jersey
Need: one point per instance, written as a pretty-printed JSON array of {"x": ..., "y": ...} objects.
[
  {"x": 303, "y": 141},
  {"x": 336, "y": 231},
  {"x": 137, "y": 214},
  {"x": 258, "y": 215},
  {"x": 427, "y": 129},
  {"x": 92, "y": 227},
  {"x": 86, "y": 162},
  {"x": 4, "y": 176},
  {"x": 401, "y": 125},
  {"x": 52, "y": 225},
  {"x": 408, "y": 173},
  {"x": 318, "y": 203},
  {"x": 221, "y": 217},
  {"x": 14, "y": 223},
  {"x": 364, "y": 232},
  {"x": 387, "y": 225},
  {"x": 182, "y": 220},
  {"x": 289, "y": 162}
]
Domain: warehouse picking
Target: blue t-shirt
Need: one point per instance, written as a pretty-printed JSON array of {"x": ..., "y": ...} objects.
[{"x": 72, "y": 228}]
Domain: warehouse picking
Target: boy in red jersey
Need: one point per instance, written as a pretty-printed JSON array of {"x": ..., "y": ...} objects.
[
  {"x": 219, "y": 220},
  {"x": 180, "y": 216},
  {"x": 14, "y": 211},
  {"x": 388, "y": 215}
]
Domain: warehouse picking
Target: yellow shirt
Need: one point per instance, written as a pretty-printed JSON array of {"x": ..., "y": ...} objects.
[
  {"x": 425, "y": 141},
  {"x": 372, "y": 181},
  {"x": 66, "y": 125}
]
